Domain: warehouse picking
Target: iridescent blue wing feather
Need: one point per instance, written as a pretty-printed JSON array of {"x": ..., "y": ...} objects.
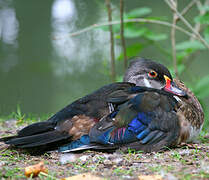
[
  {"x": 144, "y": 119},
  {"x": 154, "y": 126}
]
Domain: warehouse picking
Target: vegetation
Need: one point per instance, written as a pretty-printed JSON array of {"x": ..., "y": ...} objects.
[{"x": 189, "y": 161}]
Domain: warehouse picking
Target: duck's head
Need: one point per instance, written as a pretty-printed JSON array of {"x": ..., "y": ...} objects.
[{"x": 145, "y": 72}]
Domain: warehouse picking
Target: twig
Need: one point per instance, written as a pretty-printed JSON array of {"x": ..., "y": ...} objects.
[
  {"x": 136, "y": 20},
  {"x": 173, "y": 38},
  {"x": 188, "y": 7},
  {"x": 123, "y": 42},
  {"x": 188, "y": 59},
  {"x": 197, "y": 35},
  {"x": 202, "y": 12},
  {"x": 112, "y": 52},
  {"x": 197, "y": 26}
]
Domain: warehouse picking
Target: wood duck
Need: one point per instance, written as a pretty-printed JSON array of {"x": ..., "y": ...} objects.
[
  {"x": 189, "y": 109},
  {"x": 142, "y": 113}
]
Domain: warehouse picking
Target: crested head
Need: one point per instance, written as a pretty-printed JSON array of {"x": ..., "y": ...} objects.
[{"x": 148, "y": 73}]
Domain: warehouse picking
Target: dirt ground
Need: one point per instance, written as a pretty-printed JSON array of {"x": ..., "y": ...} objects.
[{"x": 188, "y": 161}]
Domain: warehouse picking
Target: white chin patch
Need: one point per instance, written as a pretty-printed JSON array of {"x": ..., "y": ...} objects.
[{"x": 147, "y": 83}]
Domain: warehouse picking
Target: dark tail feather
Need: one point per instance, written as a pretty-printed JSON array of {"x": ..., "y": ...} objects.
[
  {"x": 4, "y": 139},
  {"x": 37, "y": 140},
  {"x": 36, "y": 128}
]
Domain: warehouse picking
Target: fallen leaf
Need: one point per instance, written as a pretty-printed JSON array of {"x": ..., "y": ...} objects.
[
  {"x": 150, "y": 177},
  {"x": 34, "y": 170},
  {"x": 86, "y": 176}
]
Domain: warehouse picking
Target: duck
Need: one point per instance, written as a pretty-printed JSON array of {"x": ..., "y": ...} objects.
[
  {"x": 190, "y": 111},
  {"x": 96, "y": 120}
]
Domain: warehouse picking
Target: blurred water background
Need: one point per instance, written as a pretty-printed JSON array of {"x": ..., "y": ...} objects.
[{"x": 43, "y": 69}]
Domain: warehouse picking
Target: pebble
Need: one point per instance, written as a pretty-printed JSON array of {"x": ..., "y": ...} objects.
[
  {"x": 117, "y": 160},
  {"x": 97, "y": 157},
  {"x": 185, "y": 152},
  {"x": 107, "y": 162},
  {"x": 204, "y": 166},
  {"x": 68, "y": 157},
  {"x": 2, "y": 163},
  {"x": 84, "y": 158},
  {"x": 108, "y": 156}
]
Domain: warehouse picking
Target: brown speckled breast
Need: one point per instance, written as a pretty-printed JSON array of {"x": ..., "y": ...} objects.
[{"x": 190, "y": 114}]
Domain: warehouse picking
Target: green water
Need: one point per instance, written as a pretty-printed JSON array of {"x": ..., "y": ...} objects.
[{"x": 43, "y": 69}]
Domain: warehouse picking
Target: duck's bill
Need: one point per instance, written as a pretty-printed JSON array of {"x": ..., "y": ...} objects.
[{"x": 173, "y": 88}]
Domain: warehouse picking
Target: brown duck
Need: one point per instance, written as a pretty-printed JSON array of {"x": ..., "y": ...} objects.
[{"x": 89, "y": 122}]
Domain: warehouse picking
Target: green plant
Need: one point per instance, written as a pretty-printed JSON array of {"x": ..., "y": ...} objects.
[{"x": 18, "y": 115}]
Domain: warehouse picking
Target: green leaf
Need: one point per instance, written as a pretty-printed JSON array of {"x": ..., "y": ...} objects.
[
  {"x": 181, "y": 55},
  {"x": 203, "y": 94},
  {"x": 206, "y": 34},
  {"x": 132, "y": 50},
  {"x": 203, "y": 83},
  {"x": 119, "y": 79},
  {"x": 204, "y": 8},
  {"x": 180, "y": 67},
  {"x": 201, "y": 88},
  {"x": 138, "y": 12},
  {"x": 195, "y": 45},
  {"x": 203, "y": 19},
  {"x": 155, "y": 37},
  {"x": 131, "y": 32}
]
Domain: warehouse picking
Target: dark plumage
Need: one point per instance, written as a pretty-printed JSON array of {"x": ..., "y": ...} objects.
[
  {"x": 145, "y": 121},
  {"x": 189, "y": 111},
  {"x": 116, "y": 105},
  {"x": 68, "y": 124}
]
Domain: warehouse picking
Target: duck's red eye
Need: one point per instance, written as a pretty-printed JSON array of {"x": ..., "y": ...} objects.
[{"x": 152, "y": 74}]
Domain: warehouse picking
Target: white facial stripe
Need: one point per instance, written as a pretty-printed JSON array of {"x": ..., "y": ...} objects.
[
  {"x": 147, "y": 83},
  {"x": 177, "y": 98}
]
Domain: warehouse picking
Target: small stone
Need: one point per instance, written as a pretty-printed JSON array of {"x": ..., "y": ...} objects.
[
  {"x": 2, "y": 163},
  {"x": 68, "y": 157},
  {"x": 108, "y": 156},
  {"x": 127, "y": 177},
  {"x": 204, "y": 166},
  {"x": 84, "y": 158},
  {"x": 97, "y": 157},
  {"x": 185, "y": 152},
  {"x": 107, "y": 162},
  {"x": 117, "y": 160},
  {"x": 135, "y": 164}
]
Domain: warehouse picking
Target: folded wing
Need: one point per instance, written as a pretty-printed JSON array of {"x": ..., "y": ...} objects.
[{"x": 144, "y": 119}]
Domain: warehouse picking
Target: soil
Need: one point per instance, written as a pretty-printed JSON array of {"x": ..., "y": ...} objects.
[{"x": 187, "y": 161}]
